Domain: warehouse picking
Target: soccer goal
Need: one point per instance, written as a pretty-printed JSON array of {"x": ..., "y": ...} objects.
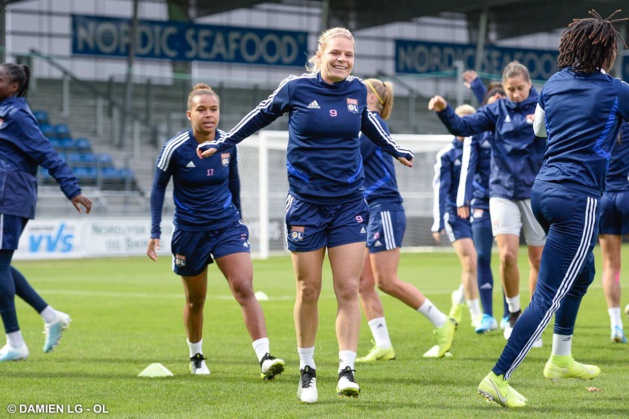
[{"x": 264, "y": 185}]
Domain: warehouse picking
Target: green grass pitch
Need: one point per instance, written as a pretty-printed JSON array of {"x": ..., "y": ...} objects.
[{"x": 127, "y": 314}]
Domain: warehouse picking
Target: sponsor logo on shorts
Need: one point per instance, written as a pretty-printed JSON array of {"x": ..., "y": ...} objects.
[
  {"x": 180, "y": 260},
  {"x": 376, "y": 235},
  {"x": 297, "y": 233}
]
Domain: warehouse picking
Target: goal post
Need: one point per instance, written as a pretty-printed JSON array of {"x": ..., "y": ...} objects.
[{"x": 264, "y": 186}]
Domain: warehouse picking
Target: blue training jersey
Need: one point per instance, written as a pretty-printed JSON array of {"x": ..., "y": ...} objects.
[
  {"x": 206, "y": 191},
  {"x": 618, "y": 174},
  {"x": 23, "y": 148},
  {"x": 323, "y": 157},
  {"x": 445, "y": 183},
  {"x": 583, "y": 113},
  {"x": 381, "y": 190},
  {"x": 516, "y": 153}
]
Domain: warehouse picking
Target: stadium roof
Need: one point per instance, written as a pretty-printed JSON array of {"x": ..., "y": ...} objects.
[{"x": 507, "y": 18}]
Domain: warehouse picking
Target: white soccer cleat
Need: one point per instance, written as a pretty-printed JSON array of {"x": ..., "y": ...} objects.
[
  {"x": 54, "y": 330},
  {"x": 347, "y": 387},
  {"x": 513, "y": 317},
  {"x": 198, "y": 366},
  {"x": 270, "y": 366},
  {"x": 307, "y": 389},
  {"x": 618, "y": 335},
  {"x": 539, "y": 343},
  {"x": 8, "y": 353}
]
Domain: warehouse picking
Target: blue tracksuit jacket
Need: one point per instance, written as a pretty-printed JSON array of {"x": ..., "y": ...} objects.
[
  {"x": 446, "y": 181},
  {"x": 23, "y": 148},
  {"x": 517, "y": 153}
]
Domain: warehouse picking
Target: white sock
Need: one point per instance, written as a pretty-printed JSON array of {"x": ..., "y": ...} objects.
[
  {"x": 14, "y": 339},
  {"x": 513, "y": 303},
  {"x": 562, "y": 344},
  {"x": 346, "y": 359},
  {"x": 614, "y": 316},
  {"x": 195, "y": 348},
  {"x": 306, "y": 357},
  {"x": 380, "y": 332},
  {"x": 474, "y": 306},
  {"x": 48, "y": 314},
  {"x": 261, "y": 346},
  {"x": 432, "y": 313},
  {"x": 458, "y": 296}
]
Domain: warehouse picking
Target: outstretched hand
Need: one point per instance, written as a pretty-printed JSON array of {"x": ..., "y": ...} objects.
[
  {"x": 468, "y": 77},
  {"x": 207, "y": 153},
  {"x": 82, "y": 200},
  {"x": 406, "y": 162},
  {"x": 437, "y": 104}
]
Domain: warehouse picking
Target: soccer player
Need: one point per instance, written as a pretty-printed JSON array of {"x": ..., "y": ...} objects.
[
  {"x": 23, "y": 148},
  {"x": 474, "y": 196},
  {"x": 208, "y": 228},
  {"x": 385, "y": 231},
  {"x": 325, "y": 208},
  {"x": 516, "y": 156},
  {"x": 445, "y": 218},
  {"x": 565, "y": 198},
  {"x": 614, "y": 223}
]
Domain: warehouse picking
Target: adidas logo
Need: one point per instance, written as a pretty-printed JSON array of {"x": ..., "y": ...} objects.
[
  {"x": 380, "y": 326},
  {"x": 507, "y": 119},
  {"x": 486, "y": 286},
  {"x": 191, "y": 164},
  {"x": 457, "y": 162},
  {"x": 363, "y": 231},
  {"x": 314, "y": 105},
  {"x": 377, "y": 243}
]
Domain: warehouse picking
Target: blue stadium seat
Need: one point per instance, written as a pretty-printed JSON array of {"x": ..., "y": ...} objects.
[
  {"x": 41, "y": 117},
  {"x": 62, "y": 131},
  {"x": 48, "y": 131},
  {"x": 65, "y": 143},
  {"x": 105, "y": 160},
  {"x": 82, "y": 144}
]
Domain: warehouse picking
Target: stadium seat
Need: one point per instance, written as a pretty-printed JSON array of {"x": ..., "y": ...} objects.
[
  {"x": 82, "y": 144},
  {"x": 48, "y": 130},
  {"x": 105, "y": 160},
  {"x": 41, "y": 117},
  {"x": 65, "y": 143},
  {"x": 62, "y": 131}
]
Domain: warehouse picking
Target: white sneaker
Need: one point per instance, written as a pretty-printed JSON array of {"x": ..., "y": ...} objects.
[
  {"x": 307, "y": 389},
  {"x": 347, "y": 387},
  {"x": 270, "y": 366},
  {"x": 8, "y": 353},
  {"x": 198, "y": 366},
  {"x": 513, "y": 317},
  {"x": 54, "y": 330},
  {"x": 539, "y": 343}
]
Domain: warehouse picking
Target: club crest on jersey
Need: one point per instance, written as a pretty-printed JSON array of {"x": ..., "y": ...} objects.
[
  {"x": 225, "y": 159},
  {"x": 352, "y": 105},
  {"x": 297, "y": 233}
]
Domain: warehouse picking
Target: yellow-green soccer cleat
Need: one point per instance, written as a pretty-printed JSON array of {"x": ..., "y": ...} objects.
[
  {"x": 564, "y": 366},
  {"x": 496, "y": 389},
  {"x": 445, "y": 335},
  {"x": 378, "y": 354},
  {"x": 270, "y": 367}
]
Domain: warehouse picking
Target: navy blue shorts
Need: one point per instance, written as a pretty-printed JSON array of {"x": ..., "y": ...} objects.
[
  {"x": 385, "y": 230},
  {"x": 193, "y": 250},
  {"x": 614, "y": 213},
  {"x": 457, "y": 228},
  {"x": 11, "y": 228},
  {"x": 480, "y": 218},
  {"x": 314, "y": 226}
]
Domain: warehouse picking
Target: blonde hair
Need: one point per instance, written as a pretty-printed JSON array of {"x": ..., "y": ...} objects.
[
  {"x": 201, "y": 89},
  {"x": 384, "y": 92},
  {"x": 514, "y": 68},
  {"x": 312, "y": 65},
  {"x": 464, "y": 109}
]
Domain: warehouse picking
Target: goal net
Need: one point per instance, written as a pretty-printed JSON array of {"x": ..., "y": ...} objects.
[{"x": 264, "y": 186}]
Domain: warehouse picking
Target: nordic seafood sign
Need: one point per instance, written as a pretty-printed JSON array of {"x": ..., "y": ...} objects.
[{"x": 180, "y": 41}]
